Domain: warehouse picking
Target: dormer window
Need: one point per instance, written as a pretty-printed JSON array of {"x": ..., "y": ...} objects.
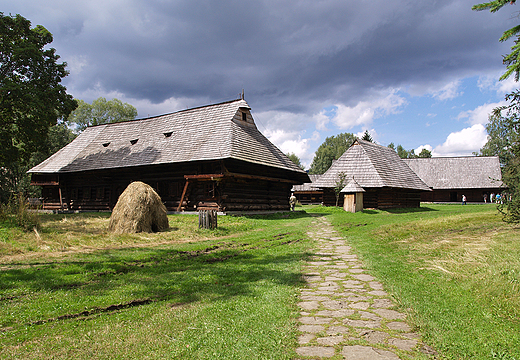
[
  {"x": 168, "y": 134},
  {"x": 106, "y": 144},
  {"x": 244, "y": 116},
  {"x": 133, "y": 142}
]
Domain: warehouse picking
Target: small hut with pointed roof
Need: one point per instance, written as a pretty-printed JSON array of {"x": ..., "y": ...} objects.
[
  {"x": 353, "y": 199},
  {"x": 387, "y": 180},
  {"x": 210, "y": 157}
]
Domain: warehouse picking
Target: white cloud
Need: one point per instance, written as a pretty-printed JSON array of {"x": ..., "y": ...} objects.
[
  {"x": 449, "y": 91},
  {"x": 420, "y": 148},
  {"x": 463, "y": 142},
  {"x": 480, "y": 114},
  {"x": 365, "y": 112},
  {"x": 321, "y": 120},
  {"x": 491, "y": 83},
  {"x": 292, "y": 142}
]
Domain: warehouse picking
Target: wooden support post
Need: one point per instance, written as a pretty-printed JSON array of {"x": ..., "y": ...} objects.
[
  {"x": 183, "y": 194},
  {"x": 61, "y": 199},
  {"x": 207, "y": 219}
]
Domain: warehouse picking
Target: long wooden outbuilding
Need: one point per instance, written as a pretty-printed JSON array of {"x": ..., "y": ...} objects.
[
  {"x": 449, "y": 178},
  {"x": 209, "y": 157},
  {"x": 387, "y": 180}
]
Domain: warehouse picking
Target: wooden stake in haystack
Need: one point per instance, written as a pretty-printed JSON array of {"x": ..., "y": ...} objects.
[{"x": 138, "y": 209}]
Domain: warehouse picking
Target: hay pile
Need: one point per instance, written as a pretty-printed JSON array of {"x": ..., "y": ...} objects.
[{"x": 138, "y": 209}]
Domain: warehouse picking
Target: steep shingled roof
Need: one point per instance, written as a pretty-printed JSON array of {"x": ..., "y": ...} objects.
[
  {"x": 372, "y": 166},
  {"x": 468, "y": 172},
  {"x": 307, "y": 186},
  {"x": 205, "y": 133}
]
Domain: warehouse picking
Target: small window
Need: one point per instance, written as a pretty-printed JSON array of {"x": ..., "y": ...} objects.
[
  {"x": 168, "y": 134},
  {"x": 244, "y": 116},
  {"x": 133, "y": 142},
  {"x": 106, "y": 144}
]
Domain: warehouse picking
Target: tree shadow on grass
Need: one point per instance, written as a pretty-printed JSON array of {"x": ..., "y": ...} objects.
[{"x": 141, "y": 276}]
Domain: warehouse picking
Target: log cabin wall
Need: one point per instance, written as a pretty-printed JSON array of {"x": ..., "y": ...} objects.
[
  {"x": 455, "y": 195},
  {"x": 100, "y": 190},
  {"x": 380, "y": 198}
]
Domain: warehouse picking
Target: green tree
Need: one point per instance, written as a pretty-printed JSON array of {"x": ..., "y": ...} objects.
[
  {"x": 511, "y": 60},
  {"x": 391, "y": 146},
  {"x": 341, "y": 182},
  {"x": 295, "y": 159},
  {"x": 367, "y": 137},
  {"x": 32, "y": 98},
  {"x": 402, "y": 152},
  {"x": 504, "y": 141},
  {"x": 425, "y": 153},
  {"x": 101, "y": 111},
  {"x": 331, "y": 149}
]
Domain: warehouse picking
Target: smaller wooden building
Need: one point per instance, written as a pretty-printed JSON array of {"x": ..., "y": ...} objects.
[
  {"x": 452, "y": 177},
  {"x": 387, "y": 180},
  {"x": 307, "y": 194},
  {"x": 353, "y": 198}
]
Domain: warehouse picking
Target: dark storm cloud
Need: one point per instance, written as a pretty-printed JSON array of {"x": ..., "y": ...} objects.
[{"x": 288, "y": 55}]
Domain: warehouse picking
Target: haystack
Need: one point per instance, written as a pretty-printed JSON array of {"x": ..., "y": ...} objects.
[{"x": 138, "y": 209}]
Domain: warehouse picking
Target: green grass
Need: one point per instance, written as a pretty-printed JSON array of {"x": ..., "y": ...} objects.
[
  {"x": 75, "y": 291},
  {"x": 455, "y": 268},
  {"x": 231, "y": 295}
]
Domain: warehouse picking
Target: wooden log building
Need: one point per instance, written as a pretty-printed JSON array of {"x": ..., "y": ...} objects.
[
  {"x": 307, "y": 194},
  {"x": 387, "y": 180},
  {"x": 210, "y": 157},
  {"x": 451, "y": 177}
]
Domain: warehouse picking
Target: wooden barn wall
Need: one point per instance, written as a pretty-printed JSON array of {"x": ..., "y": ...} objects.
[
  {"x": 380, "y": 198},
  {"x": 309, "y": 197},
  {"x": 455, "y": 195},
  {"x": 251, "y": 195},
  {"x": 99, "y": 190}
]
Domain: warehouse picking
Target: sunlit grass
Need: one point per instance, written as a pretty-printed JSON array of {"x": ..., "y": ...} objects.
[
  {"x": 227, "y": 294},
  {"x": 455, "y": 267}
]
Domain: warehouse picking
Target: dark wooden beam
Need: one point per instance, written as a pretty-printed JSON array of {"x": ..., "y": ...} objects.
[{"x": 183, "y": 194}]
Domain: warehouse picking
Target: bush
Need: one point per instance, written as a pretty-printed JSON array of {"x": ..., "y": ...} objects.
[{"x": 16, "y": 211}]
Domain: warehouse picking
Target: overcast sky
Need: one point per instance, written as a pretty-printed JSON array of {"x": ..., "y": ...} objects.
[{"x": 415, "y": 73}]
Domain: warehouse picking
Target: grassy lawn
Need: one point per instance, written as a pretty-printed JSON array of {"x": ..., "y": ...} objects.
[
  {"x": 183, "y": 294},
  {"x": 72, "y": 290},
  {"x": 455, "y": 268}
]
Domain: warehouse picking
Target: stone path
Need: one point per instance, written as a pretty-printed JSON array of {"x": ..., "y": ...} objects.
[{"x": 345, "y": 312}]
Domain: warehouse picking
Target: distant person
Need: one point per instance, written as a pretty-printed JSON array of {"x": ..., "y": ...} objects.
[
  {"x": 463, "y": 199},
  {"x": 485, "y": 198},
  {"x": 292, "y": 201},
  {"x": 498, "y": 199},
  {"x": 492, "y": 198}
]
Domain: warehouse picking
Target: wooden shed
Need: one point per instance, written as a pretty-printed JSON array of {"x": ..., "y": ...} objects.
[
  {"x": 306, "y": 193},
  {"x": 452, "y": 177},
  {"x": 210, "y": 157},
  {"x": 387, "y": 180}
]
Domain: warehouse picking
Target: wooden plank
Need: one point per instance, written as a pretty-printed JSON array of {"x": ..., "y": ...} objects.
[{"x": 183, "y": 194}]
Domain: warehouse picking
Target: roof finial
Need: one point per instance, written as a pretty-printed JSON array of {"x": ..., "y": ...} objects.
[{"x": 242, "y": 96}]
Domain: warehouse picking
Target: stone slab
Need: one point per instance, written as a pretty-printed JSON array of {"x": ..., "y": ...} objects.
[{"x": 358, "y": 352}]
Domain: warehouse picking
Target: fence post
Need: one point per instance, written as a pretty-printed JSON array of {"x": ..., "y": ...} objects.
[{"x": 207, "y": 219}]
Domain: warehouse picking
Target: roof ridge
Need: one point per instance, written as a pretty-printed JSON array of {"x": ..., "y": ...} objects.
[{"x": 172, "y": 113}]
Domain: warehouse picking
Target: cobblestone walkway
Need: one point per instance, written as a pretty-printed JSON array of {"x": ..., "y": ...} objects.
[{"x": 345, "y": 313}]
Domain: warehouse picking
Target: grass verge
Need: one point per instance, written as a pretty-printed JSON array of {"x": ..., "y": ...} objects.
[
  {"x": 229, "y": 295},
  {"x": 455, "y": 268}
]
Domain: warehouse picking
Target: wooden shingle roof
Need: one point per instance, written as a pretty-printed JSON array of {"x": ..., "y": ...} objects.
[
  {"x": 468, "y": 172},
  {"x": 352, "y": 187},
  {"x": 205, "y": 133},
  {"x": 372, "y": 166},
  {"x": 307, "y": 186}
]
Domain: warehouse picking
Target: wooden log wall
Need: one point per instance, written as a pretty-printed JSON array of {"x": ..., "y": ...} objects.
[
  {"x": 380, "y": 198},
  {"x": 100, "y": 190}
]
